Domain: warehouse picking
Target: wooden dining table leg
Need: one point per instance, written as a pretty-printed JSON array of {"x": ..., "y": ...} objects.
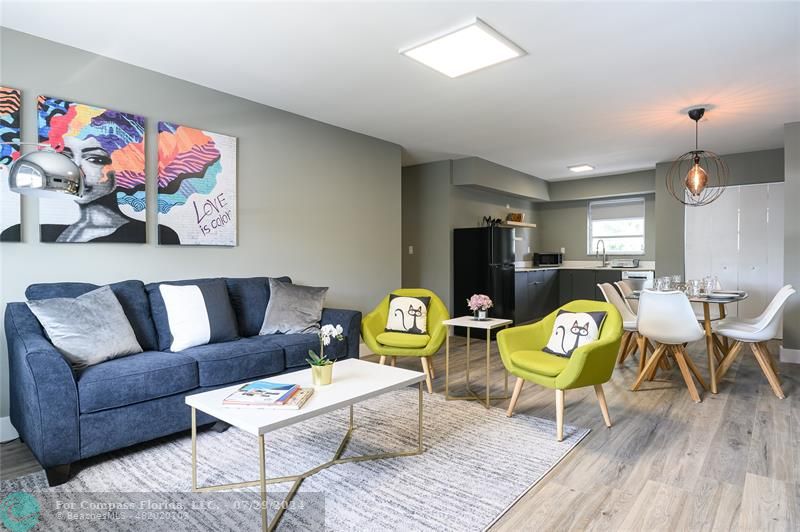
[
  {"x": 724, "y": 338},
  {"x": 712, "y": 357}
]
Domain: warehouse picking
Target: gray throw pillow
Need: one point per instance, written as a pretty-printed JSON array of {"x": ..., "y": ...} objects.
[
  {"x": 88, "y": 329},
  {"x": 293, "y": 308}
]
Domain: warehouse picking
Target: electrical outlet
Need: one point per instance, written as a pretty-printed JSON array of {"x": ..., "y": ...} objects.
[
  {"x": 563, "y": 250},
  {"x": 529, "y": 249},
  {"x": 410, "y": 250}
]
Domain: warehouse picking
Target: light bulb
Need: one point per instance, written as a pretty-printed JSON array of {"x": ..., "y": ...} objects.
[{"x": 696, "y": 179}]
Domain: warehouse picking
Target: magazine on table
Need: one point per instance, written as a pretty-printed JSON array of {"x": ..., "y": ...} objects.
[
  {"x": 261, "y": 393},
  {"x": 295, "y": 402}
]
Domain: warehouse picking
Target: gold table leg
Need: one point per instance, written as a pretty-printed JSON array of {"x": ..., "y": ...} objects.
[
  {"x": 447, "y": 363},
  {"x": 473, "y": 396},
  {"x": 263, "y": 481}
]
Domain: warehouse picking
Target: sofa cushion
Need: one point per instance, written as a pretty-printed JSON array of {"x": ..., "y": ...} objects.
[
  {"x": 246, "y": 358},
  {"x": 199, "y": 314},
  {"x": 159, "y": 311},
  {"x": 87, "y": 329},
  {"x": 398, "y": 339},
  {"x": 539, "y": 362},
  {"x": 135, "y": 378},
  {"x": 249, "y": 297},
  {"x": 131, "y": 295},
  {"x": 296, "y": 347}
]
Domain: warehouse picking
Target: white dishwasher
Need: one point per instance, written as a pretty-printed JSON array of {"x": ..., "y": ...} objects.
[{"x": 639, "y": 279}]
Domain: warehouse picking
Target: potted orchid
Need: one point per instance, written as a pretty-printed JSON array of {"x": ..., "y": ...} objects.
[
  {"x": 480, "y": 304},
  {"x": 321, "y": 365}
]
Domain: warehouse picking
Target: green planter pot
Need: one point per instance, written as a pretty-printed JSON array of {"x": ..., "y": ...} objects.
[{"x": 322, "y": 375}]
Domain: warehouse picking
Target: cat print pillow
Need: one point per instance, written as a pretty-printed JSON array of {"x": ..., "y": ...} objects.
[
  {"x": 408, "y": 314},
  {"x": 572, "y": 330}
]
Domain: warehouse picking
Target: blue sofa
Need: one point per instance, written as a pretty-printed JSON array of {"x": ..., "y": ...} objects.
[{"x": 65, "y": 415}]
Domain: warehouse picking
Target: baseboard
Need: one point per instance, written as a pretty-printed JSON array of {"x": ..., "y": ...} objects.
[
  {"x": 791, "y": 356},
  {"x": 7, "y": 430}
]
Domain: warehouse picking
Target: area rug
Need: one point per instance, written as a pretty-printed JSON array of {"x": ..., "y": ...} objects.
[{"x": 476, "y": 464}]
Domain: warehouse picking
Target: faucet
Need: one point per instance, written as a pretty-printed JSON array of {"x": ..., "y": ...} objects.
[{"x": 597, "y": 251}]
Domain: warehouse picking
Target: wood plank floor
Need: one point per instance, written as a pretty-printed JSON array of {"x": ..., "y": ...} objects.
[{"x": 731, "y": 462}]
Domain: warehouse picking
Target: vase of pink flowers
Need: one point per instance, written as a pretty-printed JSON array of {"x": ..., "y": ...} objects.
[{"x": 480, "y": 304}]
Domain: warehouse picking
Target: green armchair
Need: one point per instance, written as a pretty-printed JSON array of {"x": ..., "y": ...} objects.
[
  {"x": 590, "y": 365},
  {"x": 394, "y": 344}
]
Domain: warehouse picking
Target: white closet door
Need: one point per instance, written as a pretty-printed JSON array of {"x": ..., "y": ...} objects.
[
  {"x": 775, "y": 243},
  {"x": 723, "y": 243},
  {"x": 753, "y": 249}
]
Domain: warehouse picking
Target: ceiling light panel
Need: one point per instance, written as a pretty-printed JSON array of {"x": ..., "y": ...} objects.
[
  {"x": 580, "y": 168},
  {"x": 465, "y": 50}
]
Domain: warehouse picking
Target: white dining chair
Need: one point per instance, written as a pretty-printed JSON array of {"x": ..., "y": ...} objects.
[
  {"x": 626, "y": 290},
  {"x": 630, "y": 335},
  {"x": 756, "y": 332},
  {"x": 667, "y": 319}
]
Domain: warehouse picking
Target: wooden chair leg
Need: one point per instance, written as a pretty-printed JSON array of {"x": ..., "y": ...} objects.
[
  {"x": 427, "y": 371},
  {"x": 624, "y": 347},
  {"x": 642, "y": 352},
  {"x": 647, "y": 367},
  {"x": 695, "y": 371},
  {"x": 560, "y": 415},
  {"x": 515, "y": 396},
  {"x": 394, "y": 361},
  {"x": 601, "y": 398},
  {"x": 729, "y": 359},
  {"x": 430, "y": 367},
  {"x": 383, "y": 360},
  {"x": 768, "y": 372},
  {"x": 774, "y": 365},
  {"x": 680, "y": 359}
]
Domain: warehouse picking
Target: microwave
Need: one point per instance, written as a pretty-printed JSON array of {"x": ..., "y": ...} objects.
[{"x": 548, "y": 259}]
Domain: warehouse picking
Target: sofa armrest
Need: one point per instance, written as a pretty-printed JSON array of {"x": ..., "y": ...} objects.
[
  {"x": 43, "y": 393},
  {"x": 350, "y": 320}
]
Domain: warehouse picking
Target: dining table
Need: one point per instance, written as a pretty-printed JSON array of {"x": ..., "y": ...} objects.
[{"x": 717, "y": 348}]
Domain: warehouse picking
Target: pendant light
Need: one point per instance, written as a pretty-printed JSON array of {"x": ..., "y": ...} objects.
[{"x": 697, "y": 177}]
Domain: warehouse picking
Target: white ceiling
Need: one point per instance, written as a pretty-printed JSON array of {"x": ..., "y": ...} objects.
[{"x": 603, "y": 83}]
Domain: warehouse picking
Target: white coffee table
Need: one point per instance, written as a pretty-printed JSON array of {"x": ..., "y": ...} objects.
[
  {"x": 353, "y": 381},
  {"x": 471, "y": 323}
]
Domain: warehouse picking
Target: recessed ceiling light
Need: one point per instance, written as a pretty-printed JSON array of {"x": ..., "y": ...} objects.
[
  {"x": 580, "y": 168},
  {"x": 465, "y": 50}
]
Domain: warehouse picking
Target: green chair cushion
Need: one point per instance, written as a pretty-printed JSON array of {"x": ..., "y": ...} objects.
[
  {"x": 539, "y": 362},
  {"x": 397, "y": 339}
]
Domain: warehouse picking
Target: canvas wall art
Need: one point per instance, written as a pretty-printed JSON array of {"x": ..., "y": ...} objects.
[
  {"x": 196, "y": 186},
  {"x": 109, "y": 147},
  {"x": 9, "y": 152}
]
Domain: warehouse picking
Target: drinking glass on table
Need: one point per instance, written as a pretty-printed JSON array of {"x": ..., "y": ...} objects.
[{"x": 694, "y": 288}]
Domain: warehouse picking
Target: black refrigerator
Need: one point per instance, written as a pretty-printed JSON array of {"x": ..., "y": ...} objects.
[{"x": 483, "y": 263}]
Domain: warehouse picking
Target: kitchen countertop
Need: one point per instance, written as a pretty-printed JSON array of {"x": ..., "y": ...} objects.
[{"x": 584, "y": 265}]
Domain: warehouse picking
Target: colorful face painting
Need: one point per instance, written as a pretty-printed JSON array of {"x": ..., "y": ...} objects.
[
  {"x": 9, "y": 152},
  {"x": 196, "y": 186},
  {"x": 109, "y": 148}
]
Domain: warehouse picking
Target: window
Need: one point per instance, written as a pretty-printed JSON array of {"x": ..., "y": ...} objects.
[{"x": 619, "y": 224}]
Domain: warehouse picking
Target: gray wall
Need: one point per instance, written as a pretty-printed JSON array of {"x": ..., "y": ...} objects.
[
  {"x": 791, "y": 227},
  {"x": 765, "y": 166},
  {"x": 628, "y": 184},
  {"x": 482, "y": 174},
  {"x": 564, "y": 224},
  {"x": 426, "y": 227},
  {"x": 433, "y": 207},
  {"x": 316, "y": 202}
]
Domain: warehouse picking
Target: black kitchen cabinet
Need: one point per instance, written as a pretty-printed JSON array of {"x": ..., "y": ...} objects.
[
  {"x": 582, "y": 284},
  {"x": 550, "y": 291},
  {"x": 522, "y": 311},
  {"x": 605, "y": 276}
]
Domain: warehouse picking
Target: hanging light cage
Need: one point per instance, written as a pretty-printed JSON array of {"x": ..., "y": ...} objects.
[{"x": 716, "y": 173}]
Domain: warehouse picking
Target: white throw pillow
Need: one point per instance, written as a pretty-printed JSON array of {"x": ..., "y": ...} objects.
[
  {"x": 408, "y": 314},
  {"x": 572, "y": 330},
  {"x": 198, "y": 314}
]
